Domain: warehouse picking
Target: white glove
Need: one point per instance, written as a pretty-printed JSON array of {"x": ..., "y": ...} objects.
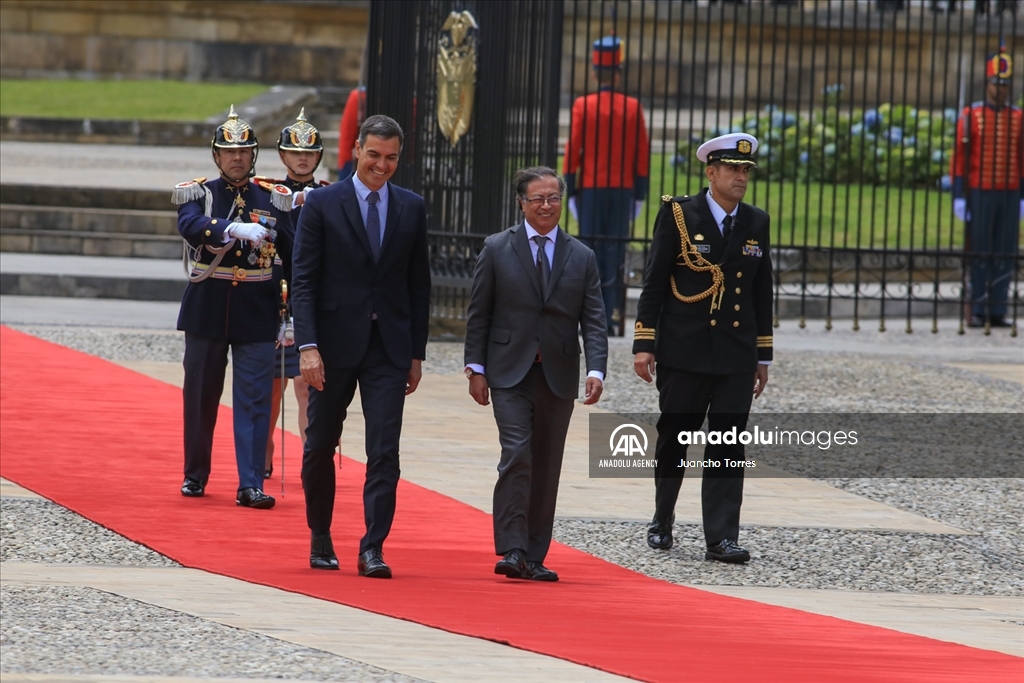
[
  {"x": 254, "y": 232},
  {"x": 638, "y": 206},
  {"x": 572, "y": 208},
  {"x": 286, "y": 333},
  {"x": 298, "y": 198},
  {"x": 960, "y": 210}
]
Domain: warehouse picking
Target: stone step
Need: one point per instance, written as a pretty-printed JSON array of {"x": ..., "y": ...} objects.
[
  {"x": 97, "y": 277},
  {"x": 120, "y": 222},
  {"x": 88, "y": 231},
  {"x": 47, "y": 241},
  {"x": 87, "y": 197}
]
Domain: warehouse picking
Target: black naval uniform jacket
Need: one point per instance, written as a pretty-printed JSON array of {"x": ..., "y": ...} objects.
[
  {"x": 240, "y": 301},
  {"x": 691, "y": 336}
]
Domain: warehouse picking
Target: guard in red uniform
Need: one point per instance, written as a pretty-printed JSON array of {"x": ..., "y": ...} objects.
[
  {"x": 606, "y": 171},
  {"x": 988, "y": 190}
]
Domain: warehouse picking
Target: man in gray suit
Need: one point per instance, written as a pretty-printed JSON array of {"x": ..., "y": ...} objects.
[{"x": 534, "y": 288}]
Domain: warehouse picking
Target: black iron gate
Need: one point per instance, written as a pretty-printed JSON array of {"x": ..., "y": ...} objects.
[
  {"x": 855, "y": 103},
  {"x": 514, "y": 121}
]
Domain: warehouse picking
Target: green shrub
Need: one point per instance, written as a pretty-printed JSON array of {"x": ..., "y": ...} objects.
[{"x": 888, "y": 145}]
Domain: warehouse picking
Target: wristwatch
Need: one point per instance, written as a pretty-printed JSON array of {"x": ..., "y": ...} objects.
[{"x": 471, "y": 373}]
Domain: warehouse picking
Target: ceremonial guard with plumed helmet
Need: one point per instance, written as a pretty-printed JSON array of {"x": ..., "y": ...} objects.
[
  {"x": 236, "y": 231},
  {"x": 301, "y": 149},
  {"x": 988, "y": 189},
  {"x": 606, "y": 171}
]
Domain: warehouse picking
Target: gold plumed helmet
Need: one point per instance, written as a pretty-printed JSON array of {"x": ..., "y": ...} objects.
[
  {"x": 301, "y": 136},
  {"x": 234, "y": 133}
]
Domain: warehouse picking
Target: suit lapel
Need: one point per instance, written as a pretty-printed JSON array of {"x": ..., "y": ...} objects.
[
  {"x": 395, "y": 206},
  {"x": 350, "y": 205},
  {"x": 521, "y": 246},
  {"x": 562, "y": 249}
]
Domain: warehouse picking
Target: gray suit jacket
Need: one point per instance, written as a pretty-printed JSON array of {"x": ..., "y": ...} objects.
[{"x": 509, "y": 318}]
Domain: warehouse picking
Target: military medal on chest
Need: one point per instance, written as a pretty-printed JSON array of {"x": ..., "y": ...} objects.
[{"x": 264, "y": 256}]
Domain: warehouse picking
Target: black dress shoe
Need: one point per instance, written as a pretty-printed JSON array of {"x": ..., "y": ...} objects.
[
  {"x": 535, "y": 571},
  {"x": 976, "y": 321},
  {"x": 192, "y": 488},
  {"x": 321, "y": 553},
  {"x": 254, "y": 498},
  {"x": 371, "y": 564},
  {"x": 998, "y": 321},
  {"x": 727, "y": 551},
  {"x": 512, "y": 565},
  {"x": 659, "y": 534}
]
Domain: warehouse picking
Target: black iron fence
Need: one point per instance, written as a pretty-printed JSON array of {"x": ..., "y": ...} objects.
[{"x": 855, "y": 105}]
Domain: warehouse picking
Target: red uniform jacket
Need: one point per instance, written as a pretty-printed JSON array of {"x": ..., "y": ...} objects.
[
  {"x": 608, "y": 140},
  {"x": 990, "y": 152},
  {"x": 348, "y": 129}
]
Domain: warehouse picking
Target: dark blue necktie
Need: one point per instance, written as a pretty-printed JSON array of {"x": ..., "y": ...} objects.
[
  {"x": 373, "y": 225},
  {"x": 726, "y": 227},
  {"x": 543, "y": 268}
]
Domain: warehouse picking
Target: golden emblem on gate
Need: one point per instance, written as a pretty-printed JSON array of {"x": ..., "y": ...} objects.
[{"x": 456, "y": 75}]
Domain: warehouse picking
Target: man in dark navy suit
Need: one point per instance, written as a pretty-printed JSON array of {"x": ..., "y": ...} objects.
[
  {"x": 235, "y": 228},
  {"x": 361, "y": 299}
]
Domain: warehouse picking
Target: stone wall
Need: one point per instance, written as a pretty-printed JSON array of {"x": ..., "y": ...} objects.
[
  {"x": 270, "y": 41},
  {"x": 712, "y": 57}
]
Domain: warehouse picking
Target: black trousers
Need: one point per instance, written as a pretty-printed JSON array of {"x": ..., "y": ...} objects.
[
  {"x": 685, "y": 398},
  {"x": 382, "y": 392},
  {"x": 532, "y": 426}
]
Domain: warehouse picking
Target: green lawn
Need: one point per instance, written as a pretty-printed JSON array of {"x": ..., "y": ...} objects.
[
  {"x": 145, "y": 100},
  {"x": 816, "y": 214}
]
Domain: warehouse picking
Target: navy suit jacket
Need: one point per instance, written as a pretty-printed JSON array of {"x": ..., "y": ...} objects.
[
  {"x": 241, "y": 309},
  {"x": 337, "y": 287}
]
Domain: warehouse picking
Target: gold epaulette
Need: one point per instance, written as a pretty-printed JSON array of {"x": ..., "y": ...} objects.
[
  {"x": 280, "y": 195},
  {"x": 666, "y": 198},
  {"x": 641, "y": 333},
  {"x": 691, "y": 258},
  {"x": 260, "y": 179},
  {"x": 764, "y": 341},
  {"x": 325, "y": 183},
  {"x": 188, "y": 191}
]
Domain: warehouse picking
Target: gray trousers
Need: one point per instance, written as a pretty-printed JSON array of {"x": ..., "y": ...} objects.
[{"x": 532, "y": 424}]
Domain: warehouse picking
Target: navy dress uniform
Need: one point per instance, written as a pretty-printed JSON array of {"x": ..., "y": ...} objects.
[
  {"x": 237, "y": 231},
  {"x": 705, "y": 314}
]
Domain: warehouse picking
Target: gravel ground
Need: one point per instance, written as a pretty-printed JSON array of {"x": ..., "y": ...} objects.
[
  {"x": 810, "y": 558},
  {"x": 41, "y": 531},
  {"x": 75, "y": 630}
]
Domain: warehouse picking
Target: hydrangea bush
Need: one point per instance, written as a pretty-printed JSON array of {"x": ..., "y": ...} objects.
[{"x": 888, "y": 145}]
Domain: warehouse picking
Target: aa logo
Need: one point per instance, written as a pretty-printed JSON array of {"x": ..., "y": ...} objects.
[{"x": 629, "y": 441}]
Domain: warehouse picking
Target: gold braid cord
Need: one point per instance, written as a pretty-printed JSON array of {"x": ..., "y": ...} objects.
[{"x": 691, "y": 258}]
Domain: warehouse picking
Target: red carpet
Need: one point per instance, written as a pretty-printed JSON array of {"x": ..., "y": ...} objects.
[{"x": 106, "y": 442}]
